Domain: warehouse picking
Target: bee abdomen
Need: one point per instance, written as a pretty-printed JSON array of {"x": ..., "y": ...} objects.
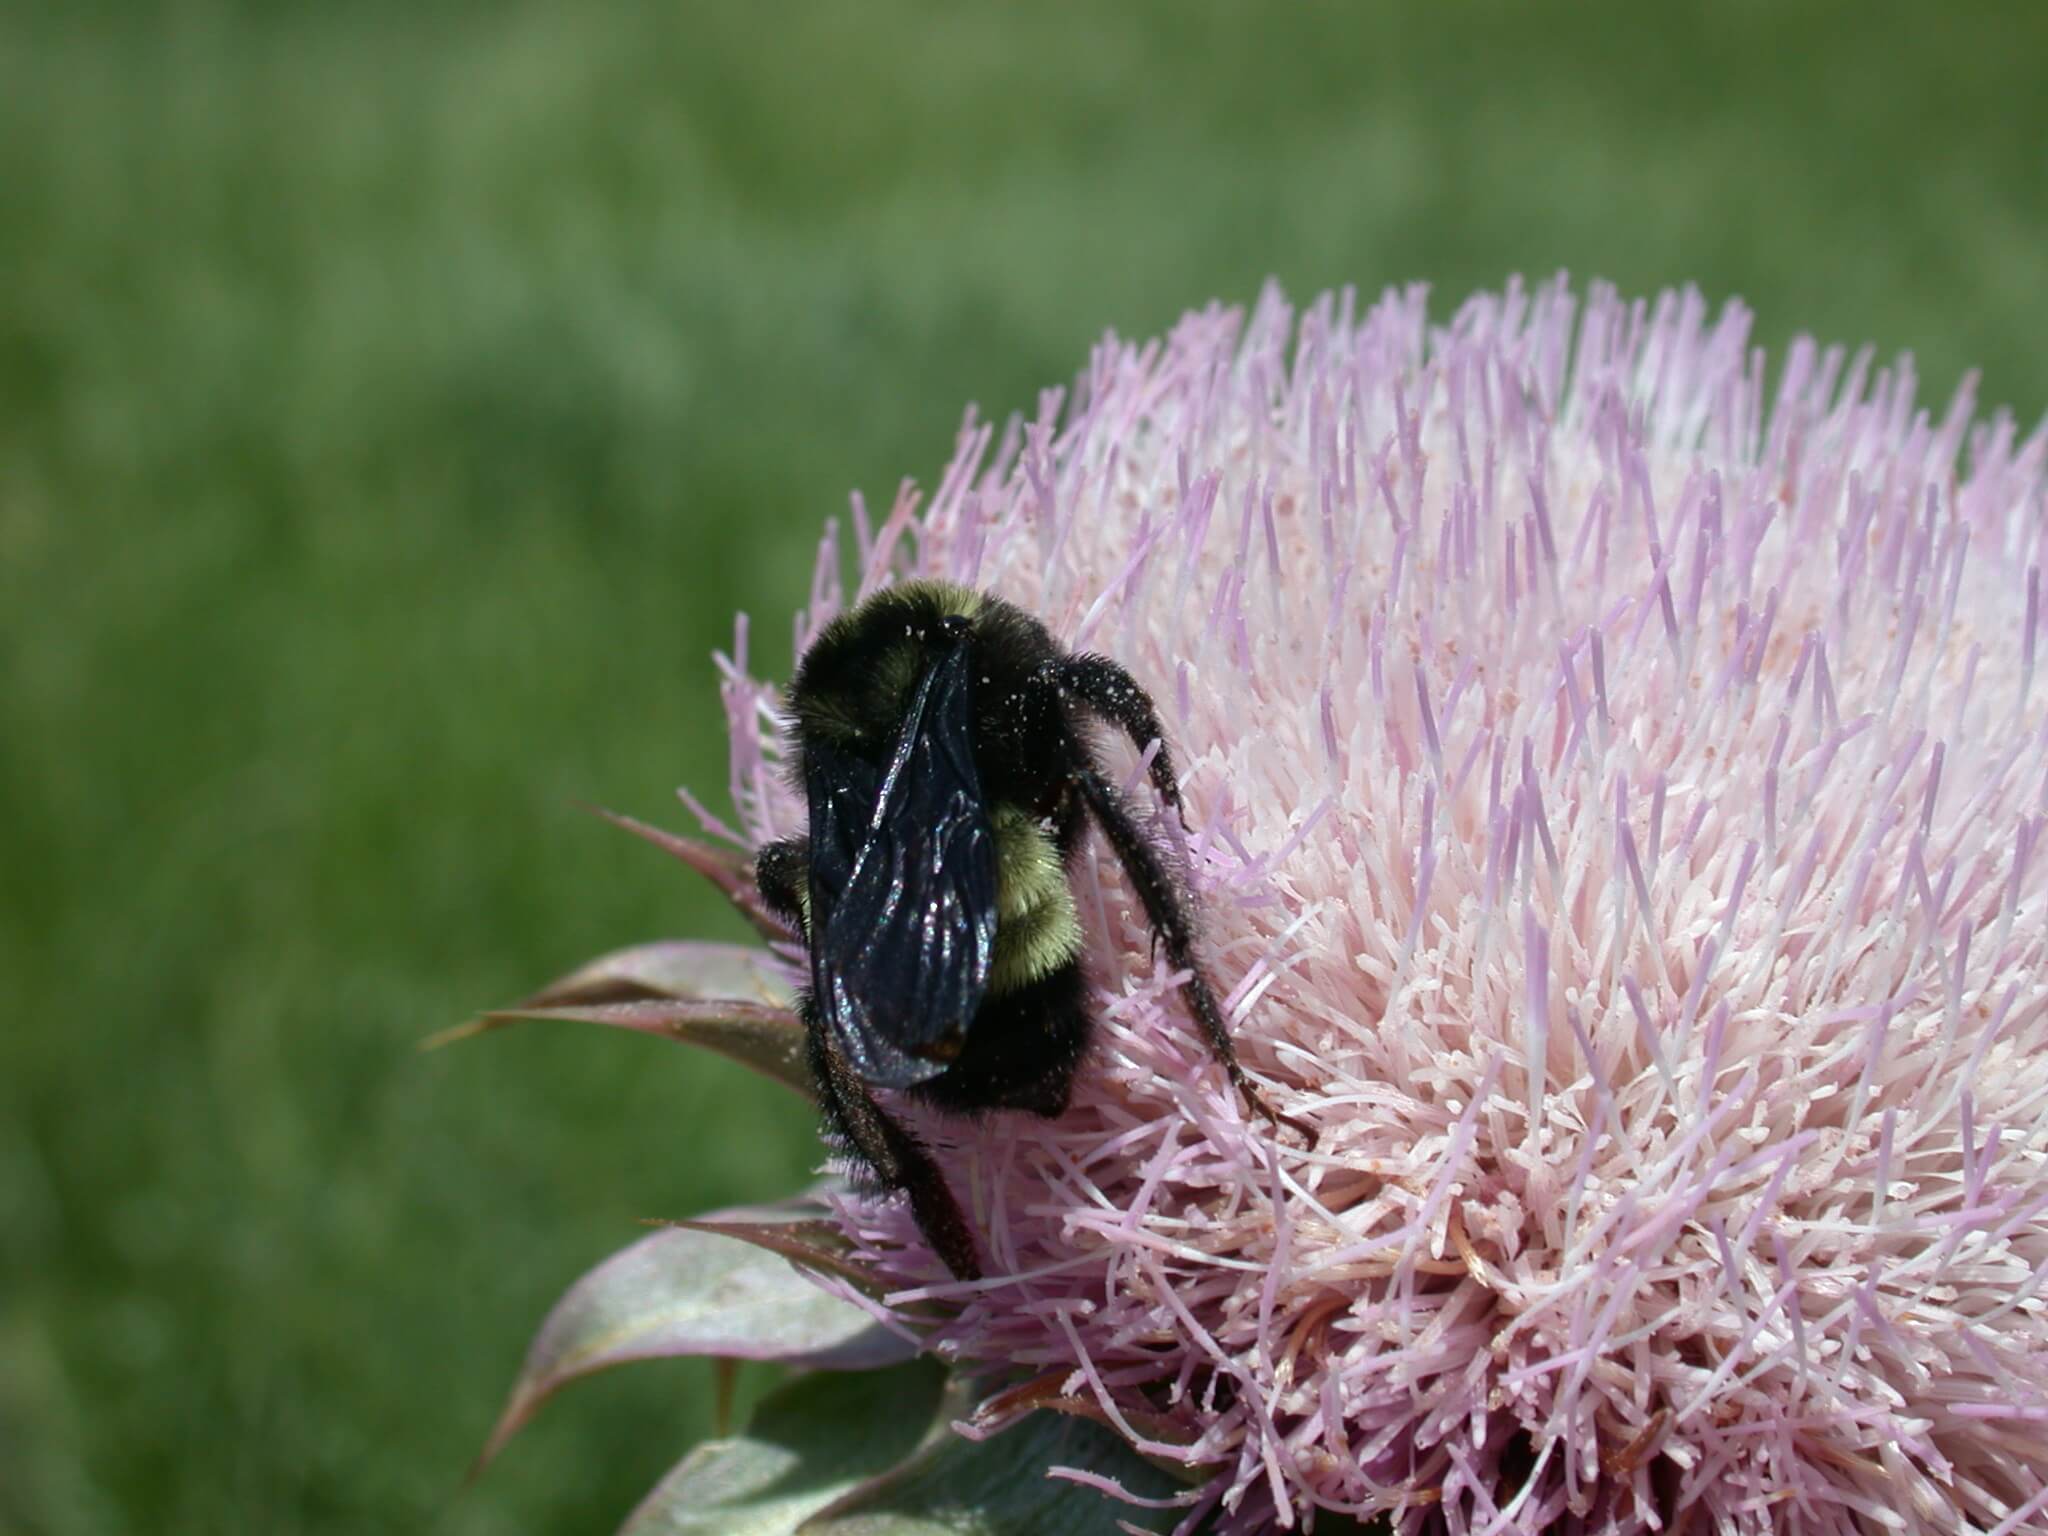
[{"x": 1037, "y": 929}]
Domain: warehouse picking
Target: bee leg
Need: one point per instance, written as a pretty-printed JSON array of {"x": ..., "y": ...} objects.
[
  {"x": 1167, "y": 913},
  {"x": 1107, "y": 690},
  {"x": 781, "y": 870},
  {"x": 897, "y": 1159}
]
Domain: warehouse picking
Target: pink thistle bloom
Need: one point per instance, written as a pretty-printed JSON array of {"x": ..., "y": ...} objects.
[{"x": 1615, "y": 789}]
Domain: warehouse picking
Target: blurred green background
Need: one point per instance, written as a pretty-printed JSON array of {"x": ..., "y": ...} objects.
[{"x": 397, "y": 401}]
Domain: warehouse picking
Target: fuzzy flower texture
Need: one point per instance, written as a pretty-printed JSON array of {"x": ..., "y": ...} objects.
[{"x": 1615, "y": 785}]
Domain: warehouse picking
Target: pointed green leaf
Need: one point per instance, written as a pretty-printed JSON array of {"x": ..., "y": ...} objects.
[
  {"x": 811, "y": 1240},
  {"x": 800, "y": 1229},
  {"x": 997, "y": 1413},
  {"x": 875, "y": 1455},
  {"x": 768, "y": 1040},
  {"x": 809, "y": 1444},
  {"x": 688, "y": 1291},
  {"x": 729, "y": 998},
  {"x": 677, "y": 968},
  {"x": 1002, "y": 1487},
  {"x": 730, "y": 869}
]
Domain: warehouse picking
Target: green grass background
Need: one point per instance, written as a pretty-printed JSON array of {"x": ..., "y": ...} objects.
[{"x": 397, "y": 401}]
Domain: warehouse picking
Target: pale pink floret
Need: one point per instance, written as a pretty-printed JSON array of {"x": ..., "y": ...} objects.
[{"x": 1549, "y": 689}]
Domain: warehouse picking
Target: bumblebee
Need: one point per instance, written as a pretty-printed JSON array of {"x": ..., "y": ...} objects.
[{"x": 943, "y": 745}]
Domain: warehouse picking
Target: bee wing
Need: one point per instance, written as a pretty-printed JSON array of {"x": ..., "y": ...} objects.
[
  {"x": 843, "y": 791},
  {"x": 904, "y": 900}
]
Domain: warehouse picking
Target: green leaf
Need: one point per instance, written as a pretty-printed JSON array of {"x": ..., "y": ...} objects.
[
  {"x": 685, "y": 1291},
  {"x": 678, "y": 968},
  {"x": 813, "y": 1243},
  {"x": 801, "y": 1230},
  {"x": 727, "y": 998},
  {"x": 874, "y": 1455},
  {"x": 730, "y": 869},
  {"x": 770, "y": 1041},
  {"x": 1044, "y": 1393},
  {"x": 1002, "y": 1487},
  {"x": 811, "y": 1442}
]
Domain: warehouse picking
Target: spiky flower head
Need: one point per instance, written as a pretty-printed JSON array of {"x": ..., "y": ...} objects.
[{"x": 1614, "y": 783}]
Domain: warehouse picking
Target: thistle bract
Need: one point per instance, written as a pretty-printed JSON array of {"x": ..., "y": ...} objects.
[{"x": 1614, "y": 775}]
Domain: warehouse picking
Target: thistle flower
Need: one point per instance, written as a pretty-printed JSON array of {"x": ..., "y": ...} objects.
[{"x": 1614, "y": 787}]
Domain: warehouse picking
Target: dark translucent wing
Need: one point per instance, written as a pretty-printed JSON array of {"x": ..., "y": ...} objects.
[
  {"x": 842, "y": 790},
  {"x": 903, "y": 903}
]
